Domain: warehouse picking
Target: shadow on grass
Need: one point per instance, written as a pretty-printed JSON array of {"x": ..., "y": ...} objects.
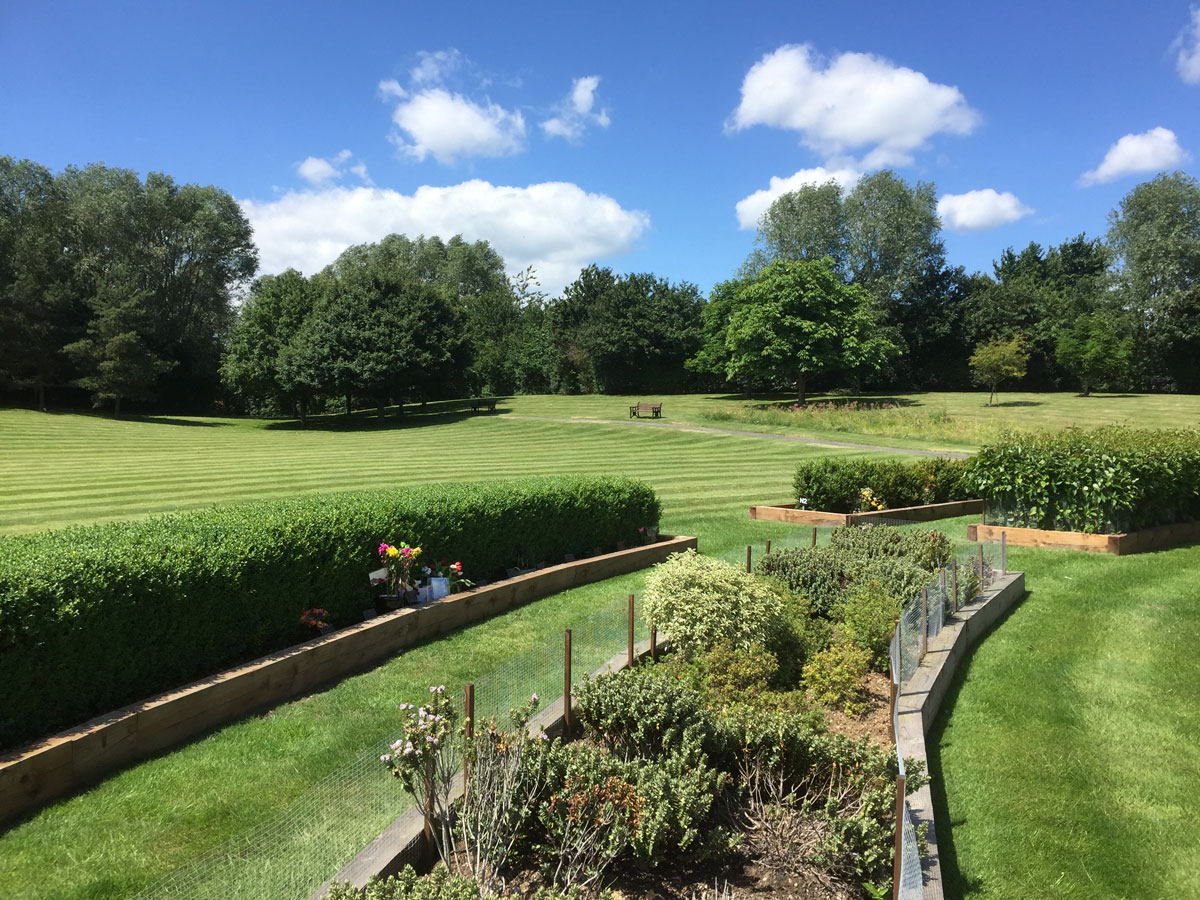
[
  {"x": 136, "y": 417},
  {"x": 955, "y": 883},
  {"x": 1015, "y": 403},
  {"x": 368, "y": 420},
  {"x": 850, "y": 404}
]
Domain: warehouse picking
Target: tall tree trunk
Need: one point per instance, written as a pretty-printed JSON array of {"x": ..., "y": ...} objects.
[
  {"x": 41, "y": 397},
  {"x": 117, "y": 408},
  {"x": 347, "y": 404},
  {"x": 379, "y": 408},
  {"x": 992, "y": 396},
  {"x": 800, "y": 389},
  {"x": 303, "y": 413}
]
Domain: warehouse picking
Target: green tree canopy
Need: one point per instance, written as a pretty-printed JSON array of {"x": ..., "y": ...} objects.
[
  {"x": 998, "y": 359},
  {"x": 796, "y": 319}
]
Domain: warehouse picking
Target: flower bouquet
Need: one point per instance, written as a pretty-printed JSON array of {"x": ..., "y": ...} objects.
[{"x": 400, "y": 561}]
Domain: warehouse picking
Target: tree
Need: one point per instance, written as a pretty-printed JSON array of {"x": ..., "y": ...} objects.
[
  {"x": 39, "y": 313},
  {"x": 796, "y": 319},
  {"x": 807, "y": 223},
  {"x": 1093, "y": 350},
  {"x": 1155, "y": 239},
  {"x": 270, "y": 318},
  {"x": 998, "y": 359}
]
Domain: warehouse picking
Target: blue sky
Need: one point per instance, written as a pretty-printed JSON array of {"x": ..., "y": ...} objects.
[{"x": 644, "y": 136}]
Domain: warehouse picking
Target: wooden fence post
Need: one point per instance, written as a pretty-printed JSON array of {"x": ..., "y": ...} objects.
[
  {"x": 567, "y": 686},
  {"x": 654, "y": 643},
  {"x": 748, "y": 558},
  {"x": 954, "y": 584},
  {"x": 924, "y": 620},
  {"x": 768, "y": 553},
  {"x": 982, "y": 582},
  {"x": 898, "y": 864},
  {"x": 468, "y": 726},
  {"x": 814, "y": 536},
  {"x": 629, "y": 662},
  {"x": 1004, "y": 553}
]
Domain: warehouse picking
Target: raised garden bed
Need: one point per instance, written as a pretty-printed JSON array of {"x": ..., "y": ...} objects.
[
  {"x": 789, "y": 512},
  {"x": 38, "y": 773},
  {"x": 1161, "y": 537}
]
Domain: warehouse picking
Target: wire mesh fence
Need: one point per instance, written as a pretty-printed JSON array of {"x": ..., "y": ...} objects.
[{"x": 318, "y": 833}]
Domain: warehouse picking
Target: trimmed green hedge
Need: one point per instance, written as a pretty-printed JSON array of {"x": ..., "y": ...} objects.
[
  {"x": 1103, "y": 480},
  {"x": 95, "y": 617},
  {"x": 837, "y": 485}
]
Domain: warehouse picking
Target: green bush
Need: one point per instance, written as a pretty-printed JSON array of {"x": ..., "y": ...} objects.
[
  {"x": 902, "y": 561},
  {"x": 408, "y": 885},
  {"x": 635, "y": 712},
  {"x": 836, "y": 677},
  {"x": 1100, "y": 481},
  {"x": 838, "y": 485},
  {"x": 95, "y": 617},
  {"x": 699, "y": 602},
  {"x": 866, "y": 616},
  {"x": 847, "y": 788}
]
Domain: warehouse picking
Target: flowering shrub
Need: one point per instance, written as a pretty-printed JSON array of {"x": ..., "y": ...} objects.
[
  {"x": 636, "y": 712},
  {"x": 836, "y": 677},
  {"x": 699, "y": 602},
  {"x": 425, "y": 758}
]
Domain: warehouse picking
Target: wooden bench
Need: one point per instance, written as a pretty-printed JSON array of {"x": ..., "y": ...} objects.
[
  {"x": 488, "y": 403},
  {"x": 653, "y": 410}
]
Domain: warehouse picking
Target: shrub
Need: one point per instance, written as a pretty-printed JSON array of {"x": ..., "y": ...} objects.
[
  {"x": 866, "y": 617},
  {"x": 95, "y": 617},
  {"x": 901, "y": 561},
  {"x": 845, "y": 789},
  {"x": 855, "y": 485},
  {"x": 836, "y": 676},
  {"x": 700, "y": 602},
  {"x": 636, "y": 713},
  {"x": 408, "y": 885},
  {"x": 1101, "y": 481}
]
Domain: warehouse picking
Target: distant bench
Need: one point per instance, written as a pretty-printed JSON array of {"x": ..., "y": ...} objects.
[
  {"x": 488, "y": 403},
  {"x": 653, "y": 410}
]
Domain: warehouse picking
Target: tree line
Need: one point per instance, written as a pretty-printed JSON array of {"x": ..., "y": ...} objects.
[{"x": 144, "y": 292}]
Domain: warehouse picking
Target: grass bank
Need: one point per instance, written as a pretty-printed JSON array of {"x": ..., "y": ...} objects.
[{"x": 1065, "y": 760}]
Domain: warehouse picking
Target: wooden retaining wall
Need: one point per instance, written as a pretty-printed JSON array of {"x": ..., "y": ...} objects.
[
  {"x": 787, "y": 512},
  {"x": 1144, "y": 541},
  {"x": 33, "y": 775}
]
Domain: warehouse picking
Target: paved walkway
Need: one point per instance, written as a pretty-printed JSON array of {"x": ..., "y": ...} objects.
[{"x": 820, "y": 442}]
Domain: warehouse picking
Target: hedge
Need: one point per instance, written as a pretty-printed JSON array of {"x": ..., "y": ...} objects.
[
  {"x": 1105, "y": 480},
  {"x": 838, "y": 485},
  {"x": 92, "y": 618}
]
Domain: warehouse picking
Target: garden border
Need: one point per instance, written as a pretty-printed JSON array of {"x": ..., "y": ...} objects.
[
  {"x": 1147, "y": 540},
  {"x": 33, "y": 775},
  {"x": 787, "y": 512},
  {"x": 405, "y": 841},
  {"x": 920, "y": 698}
]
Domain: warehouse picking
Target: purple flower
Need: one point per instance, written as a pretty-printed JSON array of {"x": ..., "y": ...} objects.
[{"x": 385, "y": 758}]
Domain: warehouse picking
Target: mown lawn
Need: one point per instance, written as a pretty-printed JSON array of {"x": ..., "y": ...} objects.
[
  {"x": 134, "y": 828},
  {"x": 1095, "y": 693},
  {"x": 1067, "y": 749}
]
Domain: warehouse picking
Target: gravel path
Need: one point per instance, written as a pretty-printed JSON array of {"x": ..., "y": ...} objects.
[{"x": 820, "y": 442}]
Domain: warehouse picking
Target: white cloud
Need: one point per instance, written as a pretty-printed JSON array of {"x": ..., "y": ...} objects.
[
  {"x": 750, "y": 209},
  {"x": 315, "y": 170},
  {"x": 979, "y": 210},
  {"x": 449, "y": 126},
  {"x": 1151, "y": 151},
  {"x": 1188, "y": 46},
  {"x": 556, "y": 227},
  {"x": 574, "y": 114},
  {"x": 390, "y": 87},
  {"x": 435, "y": 67},
  {"x": 319, "y": 171},
  {"x": 857, "y": 101}
]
